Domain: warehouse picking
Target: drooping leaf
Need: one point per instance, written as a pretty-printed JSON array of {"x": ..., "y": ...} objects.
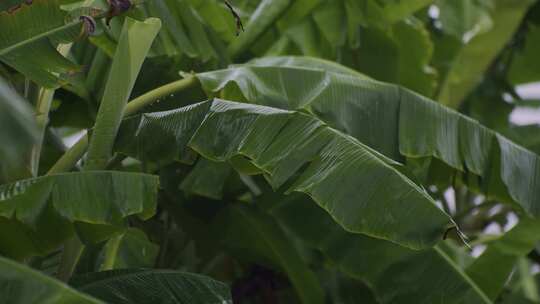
[
  {"x": 22, "y": 285},
  {"x": 396, "y": 274},
  {"x": 37, "y": 214},
  {"x": 251, "y": 232},
  {"x": 299, "y": 150},
  {"x": 139, "y": 286},
  {"x": 392, "y": 120},
  {"x": 29, "y": 36}
]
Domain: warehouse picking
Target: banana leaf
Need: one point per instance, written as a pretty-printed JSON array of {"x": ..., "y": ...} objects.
[
  {"x": 360, "y": 188},
  {"x": 22, "y": 285},
  {"x": 37, "y": 214},
  {"x": 140, "y": 286},
  {"x": 29, "y": 37},
  {"x": 18, "y": 130},
  {"x": 395, "y": 274},
  {"x": 390, "y": 119}
]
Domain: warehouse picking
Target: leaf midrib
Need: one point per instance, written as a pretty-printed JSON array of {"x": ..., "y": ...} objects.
[{"x": 39, "y": 36}]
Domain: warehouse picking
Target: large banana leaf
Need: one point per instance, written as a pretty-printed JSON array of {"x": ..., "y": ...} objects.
[
  {"x": 390, "y": 119},
  {"x": 139, "y": 286},
  {"x": 250, "y": 232},
  {"x": 17, "y": 129},
  {"x": 360, "y": 188},
  {"x": 37, "y": 214},
  {"x": 475, "y": 57},
  {"x": 29, "y": 36},
  {"x": 22, "y": 285},
  {"x": 396, "y": 274}
]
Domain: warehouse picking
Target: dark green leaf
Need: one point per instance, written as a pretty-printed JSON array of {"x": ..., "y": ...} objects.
[
  {"x": 360, "y": 188},
  {"x": 139, "y": 286},
  {"x": 392, "y": 120},
  {"x": 248, "y": 231},
  {"x": 22, "y": 285},
  {"x": 47, "y": 205}
]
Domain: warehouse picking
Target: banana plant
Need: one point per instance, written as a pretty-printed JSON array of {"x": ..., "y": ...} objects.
[{"x": 273, "y": 151}]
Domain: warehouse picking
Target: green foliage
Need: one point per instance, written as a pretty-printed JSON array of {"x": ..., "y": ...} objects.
[
  {"x": 271, "y": 151},
  {"x": 37, "y": 214},
  {"x": 21, "y": 284},
  {"x": 17, "y": 128},
  {"x": 152, "y": 286},
  {"x": 30, "y": 34}
]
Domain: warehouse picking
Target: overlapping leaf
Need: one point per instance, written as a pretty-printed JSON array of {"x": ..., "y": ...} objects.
[
  {"x": 29, "y": 36},
  {"x": 37, "y": 214},
  {"x": 184, "y": 32},
  {"x": 396, "y": 274},
  {"x": 251, "y": 232},
  {"x": 493, "y": 268},
  {"x": 22, "y": 285},
  {"x": 17, "y": 128},
  {"x": 359, "y": 187},
  {"x": 372, "y": 36},
  {"x": 139, "y": 286},
  {"x": 525, "y": 67},
  {"x": 392, "y": 120},
  {"x": 129, "y": 249},
  {"x": 475, "y": 57}
]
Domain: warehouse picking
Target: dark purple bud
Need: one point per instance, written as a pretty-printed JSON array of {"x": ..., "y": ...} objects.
[
  {"x": 119, "y": 6},
  {"x": 89, "y": 24}
]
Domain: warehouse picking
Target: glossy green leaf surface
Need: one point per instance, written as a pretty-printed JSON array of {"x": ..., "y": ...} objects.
[
  {"x": 391, "y": 120},
  {"x": 140, "y": 286},
  {"x": 294, "y": 148}
]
